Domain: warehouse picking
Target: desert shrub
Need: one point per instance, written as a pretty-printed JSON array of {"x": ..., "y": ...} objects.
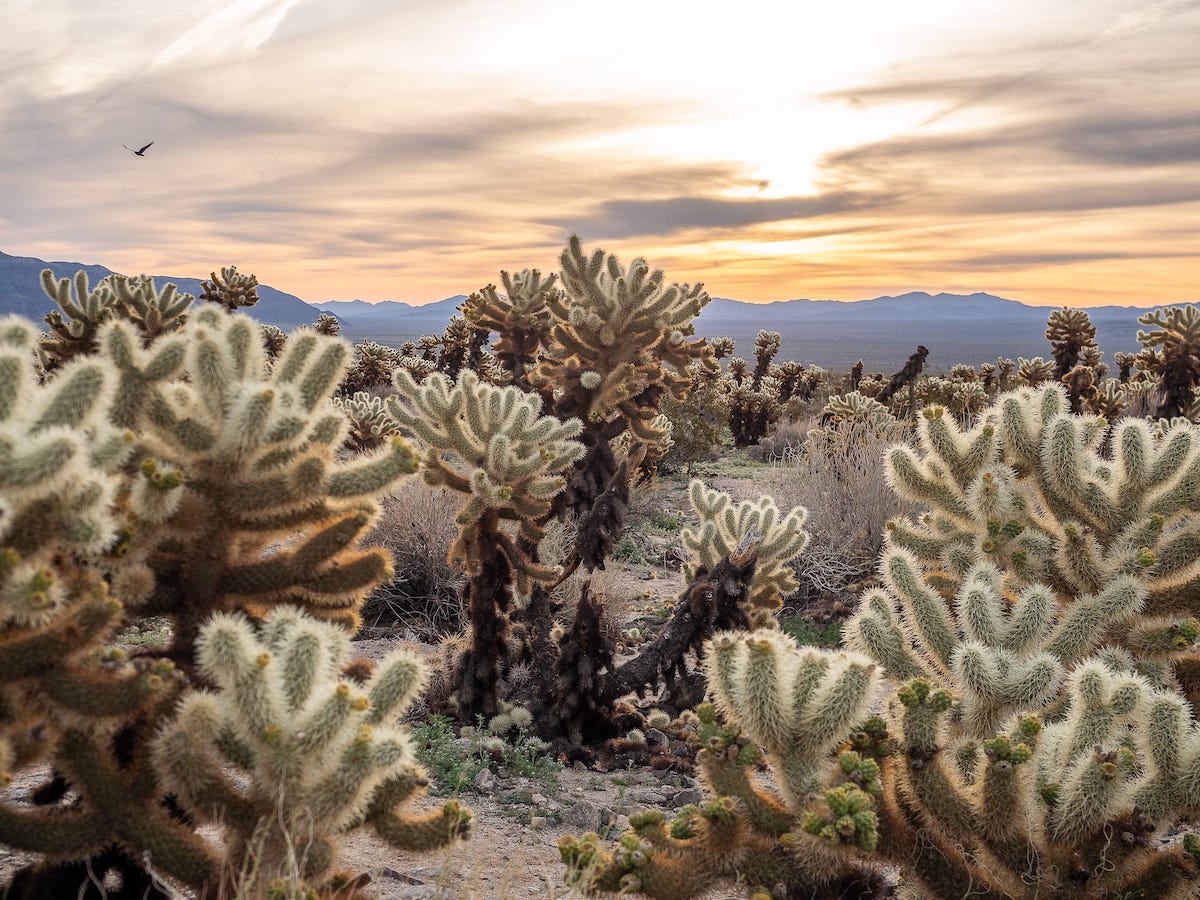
[
  {"x": 843, "y": 486},
  {"x": 785, "y": 443},
  {"x": 699, "y": 427},
  {"x": 417, "y": 526}
]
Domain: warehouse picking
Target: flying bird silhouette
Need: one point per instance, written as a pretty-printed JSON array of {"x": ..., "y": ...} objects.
[{"x": 141, "y": 152}]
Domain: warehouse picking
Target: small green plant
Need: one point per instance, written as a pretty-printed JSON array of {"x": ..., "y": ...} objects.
[
  {"x": 454, "y": 761},
  {"x": 809, "y": 633},
  {"x": 665, "y": 520},
  {"x": 628, "y": 550}
]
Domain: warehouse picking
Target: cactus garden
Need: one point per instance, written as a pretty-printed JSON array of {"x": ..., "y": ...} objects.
[{"x": 570, "y": 600}]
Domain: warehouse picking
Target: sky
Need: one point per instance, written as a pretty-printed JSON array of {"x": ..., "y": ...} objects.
[{"x": 392, "y": 150}]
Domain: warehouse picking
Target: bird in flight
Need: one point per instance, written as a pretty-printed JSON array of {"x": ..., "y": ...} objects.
[{"x": 141, "y": 152}]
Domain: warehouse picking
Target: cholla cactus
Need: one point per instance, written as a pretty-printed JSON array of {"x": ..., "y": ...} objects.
[
  {"x": 642, "y": 457},
  {"x": 373, "y": 365},
  {"x": 371, "y": 425},
  {"x": 1080, "y": 383},
  {"x": 84, "y": 313},
  {"x": 273, "y": 339},
  {"x": 177, "y": 477},
  {"x": 726, "y": 527},
  {"x": 1033, "y": 372},
  {"x": 1125, "y": 363},
  {"x": 1071, "y": 334},
  {"x": 461, "y": 346},
  {"x": 906, "y": 377},
  {"x": 799, "y": 705},
  {"x": 989, "y": 486},
  {"x": 60, "y": 539},
  {"x": 1109, "y": 400},
  {"x": 766, "y": 345},
  {"x": 737, "y": 370},
  {"x": 493, "y": 445},
  {"x": 1039, "y": 550},
  {"x": 721, "y": 347},
  {"x": 154, "y": 313},
  {"x": 1005, "y": 650},
  {"x": 1173, "y": 340},
  {"x": 285, "y": 755},
  {"x": 987, "y": 377},
  {"x": 618, "y": 334},
  {"x": 520, "y": 317},
  {"x": 1004, "y": 370},
  {"x": 230, "y": 290},
  {"x": 751, "y": 413},
  {"x": 967, "y": 399},
  {"x": 253, "y": 453},
  {"x": 327, "y": 324}
]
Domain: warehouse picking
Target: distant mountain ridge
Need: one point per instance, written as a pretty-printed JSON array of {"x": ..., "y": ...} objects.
[
  {"x": 882, "y": 331},
  {"x": 21, "y": 291}
]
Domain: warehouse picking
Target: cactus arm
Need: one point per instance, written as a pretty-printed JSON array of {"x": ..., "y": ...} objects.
[
  {"x": 132, "y": 818},
  {"x": 716, "y": 600},
  {"x": 57, "y": 831},
  {"x": 101, "y": 694},
  {"x": 726, "y": 776},
  {"x": 24, "y": 653},
  {"x": 928, "y": 778},
  {"x": 434, "y": 829},
  {"x": 1169, "y": 873}
]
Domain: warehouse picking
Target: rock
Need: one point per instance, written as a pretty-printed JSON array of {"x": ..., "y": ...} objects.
[
  {"x": 538, "y": 799},
  {"x": 647, "y": 797},
  {"x": 485, "y": 781},
  {"x": 655, "y": 738},
  {"x": 416, "y": 883},
  {"x": 583, "y": 814},
  {"x": 686, "y": 796},
  {"x": 578, "y": 766}
]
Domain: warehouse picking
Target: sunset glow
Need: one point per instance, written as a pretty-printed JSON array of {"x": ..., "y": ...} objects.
[{"x": 1045, "y": 152}]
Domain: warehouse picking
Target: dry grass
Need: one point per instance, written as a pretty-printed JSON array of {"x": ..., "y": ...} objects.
[
  {"x": 849, "y": 503},
  {"x": 417, "y": 526},
  {"x": 785, "y": 443}
]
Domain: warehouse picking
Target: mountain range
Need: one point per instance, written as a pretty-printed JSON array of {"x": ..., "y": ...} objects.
[{"x": 883, "y": 331}]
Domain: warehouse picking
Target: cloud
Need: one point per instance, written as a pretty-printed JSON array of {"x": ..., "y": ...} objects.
[
  {"x": 636, "y": 218},
  {"x": 359, "y": 149},
  {"x": 237, "y": 26}
]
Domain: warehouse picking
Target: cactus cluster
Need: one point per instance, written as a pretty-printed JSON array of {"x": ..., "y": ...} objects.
[
  {"x": 585, "y": 358},
  {"x": 1039, "y": 619},
  {"x": 801, "y": 840},
  {"x": 164, "y": 466}
]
